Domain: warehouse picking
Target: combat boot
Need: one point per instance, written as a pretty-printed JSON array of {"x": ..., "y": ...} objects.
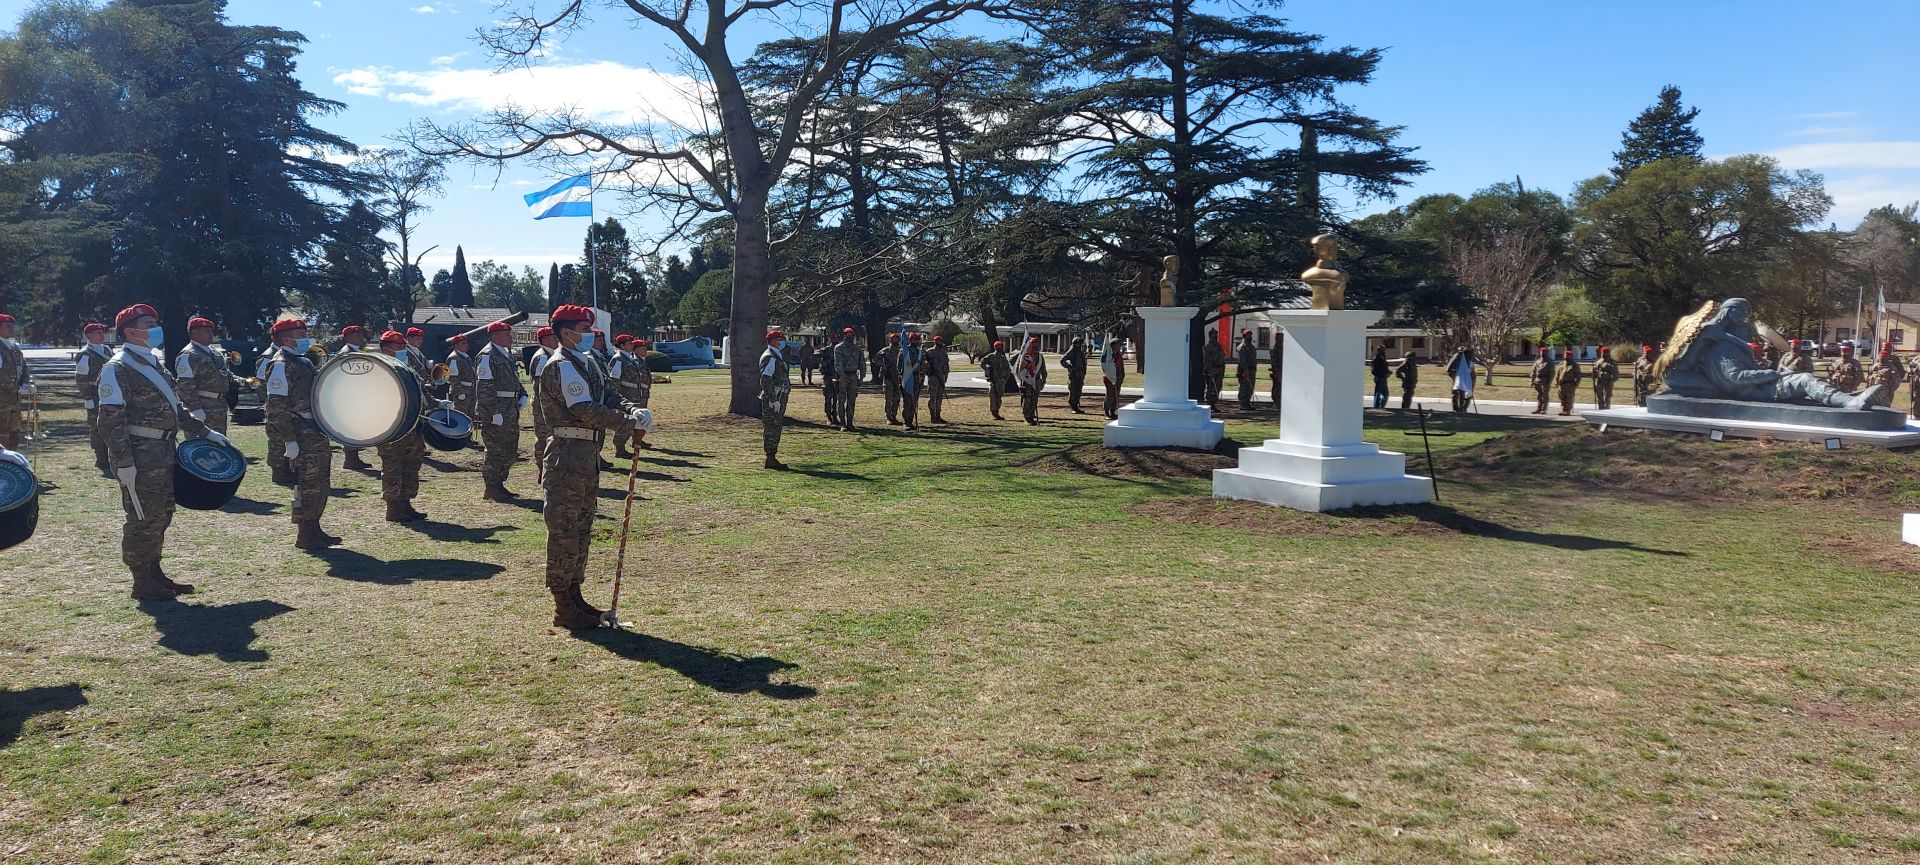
[
  {"x": 354, "y": 461},
  {"x": 581, "y": 601},
  {"x": 178, "y": 588},
  {"x": 776, "y": 464},
  {"x": 413, "y": 513},
  {"x": 310, "y": 537},
  {"x": 497, "y": 492},
  {"x": 398, "y": 512},
  {"x": 147, "y": 585},
  {"x": 621, "y": 452},
  {"x": 570, "y": 614}
]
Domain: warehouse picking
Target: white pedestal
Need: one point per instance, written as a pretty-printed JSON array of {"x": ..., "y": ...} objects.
[
  {"x": 1319, "y": 462},
  {"x": 1910, "y": 529},
  {"x": 726, "y": 351},
  {"x": 1164, "y": 416}
]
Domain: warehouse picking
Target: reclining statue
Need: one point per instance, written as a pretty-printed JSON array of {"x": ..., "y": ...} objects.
[{"x": 1710, "y": 356}]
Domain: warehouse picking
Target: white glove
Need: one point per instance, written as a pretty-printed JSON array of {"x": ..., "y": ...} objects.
[
  {"x": 32, "y": 389},
  {"x": 293, "y": 450},
  {"x": 199, "y": 414},
  {"x": 15, "y": 457},
  {"x": 215, "y": 437},
  {"x": 497, "y": 419},
  {"x": 523, "y": 401},
  {"x": 89, "y": 403},
  {"x": 642, "y": 419},
  {"x": 446, "y": 405}
]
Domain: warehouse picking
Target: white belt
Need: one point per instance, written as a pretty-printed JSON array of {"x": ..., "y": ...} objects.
[
  {"x": 506, "y": 393},
  {"x": 211, "y": 394},
  {"x": 574, "y": 432},
  {"x": 304, "y": 414},
  {"x": 147, "y": 432}
]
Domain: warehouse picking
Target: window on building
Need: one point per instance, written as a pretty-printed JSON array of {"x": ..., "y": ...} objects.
[
  {"x": 1419, "y": 343},
  {"x": 1264, "y": 336},
  {"x": 1897, "y": 336}
]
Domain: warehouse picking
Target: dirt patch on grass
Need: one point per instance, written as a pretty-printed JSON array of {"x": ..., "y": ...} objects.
[
  {"x": 1096, "y": 459},
  {"x": 1880, "y": 553},
  {"x": 1652, "y": 465}
]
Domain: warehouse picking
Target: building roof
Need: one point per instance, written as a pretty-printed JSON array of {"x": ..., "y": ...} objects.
[{"x": 460, "y": 315}]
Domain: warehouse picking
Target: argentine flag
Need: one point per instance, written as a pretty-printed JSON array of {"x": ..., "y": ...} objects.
[{"x": 570, "y": 197}]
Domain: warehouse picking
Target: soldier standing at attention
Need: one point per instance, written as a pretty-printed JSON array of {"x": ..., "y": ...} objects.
[
  {"x": 1074, "y": 361},
  {"x": 500, "y": 396},
  {"x": 140, "y": 415},
  {"x": 283, "y": 473},
  {"x": 573, "y": 388},
  {"x": 15, "y": 384},
  {"x": 400, "y": 458},
  {"x": 1643, "y": 376},
  {"x": 912, "y": 356},
  {"x": 542, "y": 428},
  {"x": 1214, "y": 360},
  {"x": 807, "y": 363},
  {"x": 935, "y": 371},
  {"x": 850, "y": 364},
  {"x": 1795, "y": 360},
  {"x": 1246, "y": 364},
  {"x": 417, "y": 354},
  {"x": 1887, "y": 373},
  {"x": 203, "y": 376},
  {"x": 1031, "y": 371},
  {"x": 1541, "y": 377},
  {"x": 86, "y": 378},
  {"x": 1377, "y": 366},
  {"x": 1605, "y": 373},
  {"x": 1460, "y": 376},
  {"x": 1113, "y": 372},
  {"x": 830, "y": 381},
  {"x": 1845, "y": 375},
  {"x": 460, "y": 374},
  {"x": 633, "y": 381},
  {"x": 774, "y": 389},
  {"x": 1408, "y": 372},
  {"x": 354, "y": 338},
  {"x": 886, "y": 368},
  {"x": 290, "y": 375},
  {"x": 1567, "y": 379},
  {"x": 996, "y": 367},
  {"x": 1913, "y": 387},
  {"x": 1276, "y": 361}
]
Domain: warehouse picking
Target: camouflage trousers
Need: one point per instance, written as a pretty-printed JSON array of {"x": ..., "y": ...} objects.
[
  {"x": 996, "y": 392},
  {"x": 849, "y": 393},
  {"x": 830, "y": 391},
  {"x": 1566, "y": 397},
  {"x": 1030, "y": 402},
  {"x": 1541, "y": 394},
  {"x": 772, "y": 422},
  {"x": 94, "y": 437},
  {"x": 145, "y": 532},
  {"x": 277, "y": 451},
  {"x": 10, "y": 424},
  {"x": 217, "y": 419},
  {"x": 1245, "y": 381},
  {"x": 1111, "y": 405},
  {"x": 572, "y": 497},
  {"x": 1603, "y": 396},
  {"x": 936, "y": 395},
  {"x": 909, "y": 407},
  {"x": 625, "y": 435},
  {"x": 1215, "y": 381},
  {"x": 503, "y": 446},
  {"x": 400, "y": 462},
  {"x": 313, "y": 475},
  {"x": 542, "y": 433},
  {"x": 892, "y": 390},
  {"x": 1076, "y": 384}
]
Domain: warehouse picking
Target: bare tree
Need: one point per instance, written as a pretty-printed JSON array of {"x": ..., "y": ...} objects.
[
  {"x": 697, "y": 174},
  {"x": 401, "y": 182},
  {"x": 1507, "y": 272}
]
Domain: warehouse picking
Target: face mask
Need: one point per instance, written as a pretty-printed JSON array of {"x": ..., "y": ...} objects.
[
  {"x": 586, "y": 342},
  {"x": 301, "y": 345},
  {"x": 400, "y": 355},
  {"x": 156, "y": 337}
]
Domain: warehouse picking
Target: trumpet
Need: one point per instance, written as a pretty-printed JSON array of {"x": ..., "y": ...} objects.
[{"x": 440, "y": 372}]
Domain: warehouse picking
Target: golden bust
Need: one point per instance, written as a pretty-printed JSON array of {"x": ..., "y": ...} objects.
[
  {"x": 1327, "y": 278},
  {"x": 1169, "y": 277}
]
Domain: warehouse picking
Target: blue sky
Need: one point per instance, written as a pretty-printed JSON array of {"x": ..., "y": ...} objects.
[{"x": 1486, "y": 89}]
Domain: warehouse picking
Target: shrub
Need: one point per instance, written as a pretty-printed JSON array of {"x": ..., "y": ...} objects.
[{"x": 658, "y": 362}]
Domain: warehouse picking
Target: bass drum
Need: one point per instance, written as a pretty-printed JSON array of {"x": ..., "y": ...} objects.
[
  {"x": 19, "y": 503},
  {"x": 366, "y": 399},
  {"x": 446, "y": 429},
  {"x": 206, "y": 474}
]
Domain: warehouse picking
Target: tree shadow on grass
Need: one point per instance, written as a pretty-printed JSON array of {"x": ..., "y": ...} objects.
[
  {"x": 250, "y": 507},
  {"x": 728, "y": 674},
  {"x": 459, "y": 534},
  {"x": 1466, "y": 524},
  {"x": 361, "y": 568},
  {"x": 17, "y": 706},
  {"x": 225, "y": 632}
]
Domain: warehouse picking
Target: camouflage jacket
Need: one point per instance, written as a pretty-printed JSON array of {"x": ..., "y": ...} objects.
[
  {"x": 289, "y": 384},
  {"x": 203, "y": 377},
  {"x": 87, "y": 364},
  {"x": 496, "y": 382},
  {"x": 631, "y": 378},
  {"x": 138, "y": 400}
]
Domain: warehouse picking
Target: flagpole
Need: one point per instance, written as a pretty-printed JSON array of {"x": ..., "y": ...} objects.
[{"x": 593, "y": 265}]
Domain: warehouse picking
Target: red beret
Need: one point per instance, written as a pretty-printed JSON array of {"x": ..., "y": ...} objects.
[
  {"x": 571, "y": 312},
  {"x": 5, "y": 318},
  {"x": 201, "y": 321},
  {"x": 1846, "y": 348},
  {"x": 1646, "y": 348},
  {"x": 640, "y": 341},
  {"x": 543, "y": 333},
  {"x": 938, "y": 338},
  {"x": 999, "y": 343},
  {"x": 622, "y": 339},
  {"x": 287, "y": 324},
  {"x": 916, "y": 336},
  {"x": 457, "y": 339},
  {"x": 352, "y": 329},
  {"x": 131, "y": 314},
  {"x": 848, "y": 331},
  {"x": 499, "y": 327},
  {"x": 1543, "y": 349},
  {"x": 775, "y": 334},
  {"x": 894, "y": 336},
  {"x": 1246, "y": 331},
  {"x": 393, "y": 336},
  {"x": 414, "y": 331},
  {"x": 92, "y": 326}
]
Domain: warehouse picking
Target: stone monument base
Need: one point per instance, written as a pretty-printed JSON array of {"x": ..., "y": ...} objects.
[
  {"x": 1879, "y": 418},
  {"x": 1310, "y": 478},
  {"x": 1640, "y": 418},
  {"x": 1910, "y": 529},
  {"x": 1143, "y": 424}
]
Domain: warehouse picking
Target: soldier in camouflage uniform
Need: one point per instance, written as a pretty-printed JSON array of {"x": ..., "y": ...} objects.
[
  {"x": 460, "y": 378},
  {"x": 1643, "y": 382},
  {"x": 633, "y": 381},
  {"x": 1031, "y": 373},
  {"x": 886, "y": 368},
  {"x": 1795, "y": 360},
  {"x": 1074, "y": 361},
  {"x": 140, "y": 414},
  {"x": 1246, "y": 364},
  {"x": 830, "y": 381},
  {"x": 775, "y": 386},
  {"x": 354, "y": 338},
  {"x": 1541, "y": 378},
  {"x": 499, "y": 397},
  {"x": 1276, "y": 363},
  {"x": 1887, "y": 373},
  {"x": 1845, "y": 376},
  {"x": 850, "y": 365},
  {"x": 401, "y": 457},
  {"x": 1913, "y": 387},
  {"x": 574, "y": 392},
  {"x": 934, "y": 371},
  {"x": 912, "y": 357},
  {"x": 289, "y": 380},
  {"x": 86, "y": 378},
  {"x": 203, "y": 375},
  {"x": 1213, "y": 363},
  {"x": 1113, "y": 373},
  {"x": 537, "y": 363},
  {"x": 997, "y": 367},
  {"x": 1567, "y": 380},
  {"x": 1605, "y": 373},
  {"x": 16, "y": 385}
]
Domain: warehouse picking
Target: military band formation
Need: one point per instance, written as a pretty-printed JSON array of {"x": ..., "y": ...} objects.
[{"x": 584, "y": 391}]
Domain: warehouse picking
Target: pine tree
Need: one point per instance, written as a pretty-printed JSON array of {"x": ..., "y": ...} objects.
[
  {"x": 1663, "y": 131},
  {"x": 556, "y": 290},
  {"x": 442, "y": 287},
  {"x": 461, "y": 292}
]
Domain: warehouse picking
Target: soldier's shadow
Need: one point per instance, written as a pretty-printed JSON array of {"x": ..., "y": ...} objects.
[
  {"x": 17, "y": 706},
  {"x": 709, "y": 668},
  {"x": 359, "y": 567},
  {"x": 225, "y": 632},
  {"x": 242, "y": 505},
  {"x": 460, "y": 534}
]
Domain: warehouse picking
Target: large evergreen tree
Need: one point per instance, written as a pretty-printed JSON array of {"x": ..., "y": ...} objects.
[
  {"x": 1663, "y": 131},
  {"x": 184, "y": 144},
  {"x": 354, "y": 284},
  {"x": 460, "y": 290}
]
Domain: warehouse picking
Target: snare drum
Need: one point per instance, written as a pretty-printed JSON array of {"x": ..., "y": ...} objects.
[{"x": 19, "y": 503}]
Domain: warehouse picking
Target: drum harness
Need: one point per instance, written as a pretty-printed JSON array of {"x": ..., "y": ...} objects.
[{"x": 152, "y": 374}]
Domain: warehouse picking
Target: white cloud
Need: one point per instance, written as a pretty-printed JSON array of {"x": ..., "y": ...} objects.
[
  {"x": 1829, "y": 131},
  {"x": 448, "y": 59},
  {"x": 604, "y": 91},
  {"x": 423, "y": 10},
  {"x": 336, "y": 157},
  {"x": 1857, "y": 155},
  {"x": 1854, "y": 196},
  {"x": 316, "y": 4}
]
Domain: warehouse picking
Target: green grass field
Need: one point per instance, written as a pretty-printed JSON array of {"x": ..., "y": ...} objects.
[{"x": 967, "y": 645}]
